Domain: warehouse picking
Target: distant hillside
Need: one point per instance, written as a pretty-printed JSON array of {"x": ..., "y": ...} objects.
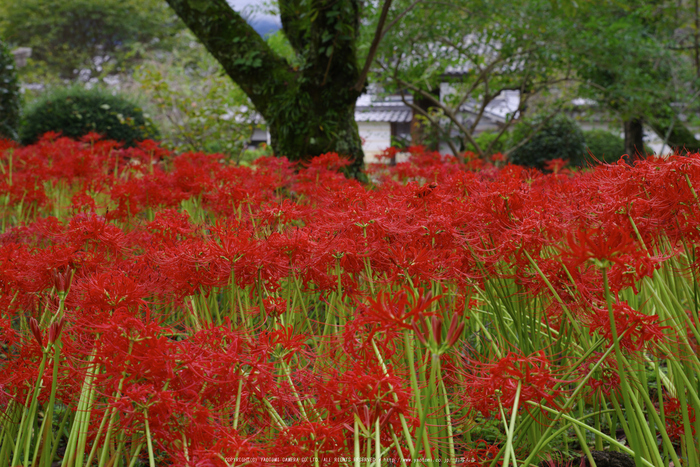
[{"x": 264, "y": 26}]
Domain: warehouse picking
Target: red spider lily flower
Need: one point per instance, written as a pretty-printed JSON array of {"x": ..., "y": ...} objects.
[
  {"x": 426, "y": 190},
  {"x": 289, "y": 342},
  {"x": 274, "y": 307},
  {"x": 603, "y": 246},
  {"x": 365, "y": 387},
  {"x": 55, "y": 330},
  {"x": 674, "y": 417},
  {"x": 110, "y": 290},
  {"x": 62, "y": 281},
  {"x": 431, "y": 336},
  {"x": 640, "y": 329},
  {"x": 481, "y": 455},
  {"x": 488, "y": 385},
  {"x": 396, "y": 310},
  {"x": 324, "y": 441},
  {"x": 603, "y": 385},
  {"x": 34, "y": 327},
  {"x": 555, "y": 165}
]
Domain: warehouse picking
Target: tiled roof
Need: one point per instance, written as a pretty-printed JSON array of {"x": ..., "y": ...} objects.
[{"x": 383, "y": 115}]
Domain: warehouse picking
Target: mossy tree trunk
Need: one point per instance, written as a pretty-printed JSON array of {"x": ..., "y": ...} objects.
[
  {"x": 634, "y": 139},
  {"x": 309, "y": 108}
]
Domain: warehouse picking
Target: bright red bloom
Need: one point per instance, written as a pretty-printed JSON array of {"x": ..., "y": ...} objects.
[
  {"x": 640, "y": 329},
  {"x": 488, "y": 385}
]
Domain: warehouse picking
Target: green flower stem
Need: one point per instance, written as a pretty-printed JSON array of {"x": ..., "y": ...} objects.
[
  {"x": 48, "y": 419},
  {"x": 356, "y": 441},
  {"x": 377, "y": 444},
  {"x": 626, "y": 391},
  {"x": 68, "y": 414},
  {"x": 667, "y": 444},
  {"x": 397, "y": 445},
  {"x": 238, "y": 402},
  {"x": 422, "y": 434},
  {"x": 572, "y": 319},
  {"x": 570, "y": 401},
  {"x": 584, "y": 444},
  {"x": 448, "y": 420},
  {"x": 510, "y": 429},
  {"x": 404, "y": 424},
  {"x": 151, "y": 458},
  {"x": 607, "y": 438},
  {"x": 25, "y": 425},
  {"x": 135, "y": 456}
]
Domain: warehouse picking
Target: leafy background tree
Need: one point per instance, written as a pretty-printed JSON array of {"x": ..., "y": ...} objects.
[
  {"x": 197, "y": 107},
  {"x": 627, "y": 59},
  {"x": 480, "y": 50},
  {"x": 83, "y": 39},
  {"x": 634, "y": 57}
]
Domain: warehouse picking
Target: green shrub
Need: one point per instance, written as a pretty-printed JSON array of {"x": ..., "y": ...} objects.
[
  {"x": 559, "y": 138},
  {"x": 9, "y": 94},
  {"x": 604, "y": 146},
  {"x": 77, "y": 111},
  {"x": 486, "y": 137}
]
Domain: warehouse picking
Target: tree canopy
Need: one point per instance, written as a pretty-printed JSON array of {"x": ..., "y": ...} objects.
[{"x": 85, "y": 38}]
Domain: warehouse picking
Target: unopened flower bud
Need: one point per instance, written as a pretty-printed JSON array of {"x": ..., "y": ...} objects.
[
  {"x": 55, "y": 330},
  {"x": 34, "y": 327}
]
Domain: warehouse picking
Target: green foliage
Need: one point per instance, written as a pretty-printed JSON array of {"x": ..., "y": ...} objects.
[
  {"x": 85, "y": 38},
  {"x": 479, "y": 49},
  {"x": 604, "y": 146},
  {"x": 489, "y": 138},
  {"x": 9, "y": 95},
  {"x": 77, "y": 111},
  {"x": 197, "y": 106},
  {"x": 630, "y": 55},
  {"x": 556, "y": 138},
  {"x": 279, "y": 43}
]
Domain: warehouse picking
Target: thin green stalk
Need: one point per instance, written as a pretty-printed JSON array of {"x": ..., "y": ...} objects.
[{"x": 609, "y": 439}]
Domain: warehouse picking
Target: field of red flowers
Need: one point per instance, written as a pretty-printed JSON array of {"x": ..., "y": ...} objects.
[{"x": 179, "y": 310}]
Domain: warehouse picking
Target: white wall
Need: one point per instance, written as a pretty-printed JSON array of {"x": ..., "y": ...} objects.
[{"x": 376, "y": 137}]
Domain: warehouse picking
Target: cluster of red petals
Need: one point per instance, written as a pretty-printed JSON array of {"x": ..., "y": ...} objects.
[
  {"x": 144, "y": 233},
  {"x": 490, "y": 386},
  {"x": 636, "y": 328}
]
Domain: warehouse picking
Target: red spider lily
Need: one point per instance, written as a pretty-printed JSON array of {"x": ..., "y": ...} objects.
[
  {"x": 321, "y": 440},
  {"x": 606, "y": 383},
  {"x": 640, "y": 329},
  {"x": 604, "y": 246},
  {"x": 109, "y": 291},
  {"x": 433, "y": 337},
  {"x": 62, "y": 281},
  {"x": 34, "y": 327},
  {"x": 490, "y": 385},
  {"x": 289, "y": 343},
  {"x": 397, "y": 310},
  {"x": 426, "y": 190},
  {"x": 364, "y": 387},
  {"x": 674, "y": 417},
  {"x": 480, "y": 456}
]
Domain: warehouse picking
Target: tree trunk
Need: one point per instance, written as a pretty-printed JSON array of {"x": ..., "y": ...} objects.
[
  {"x": 304, "y": 135},
  {"x": 423, "y": 133},
  {"x": 309, "y": 109},
  {"x": 634, "y": 139}
]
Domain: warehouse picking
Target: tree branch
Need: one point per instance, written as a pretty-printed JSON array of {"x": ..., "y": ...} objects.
[
  {"x": 245, "y": 56},
  {"x": 373, "y": 48},
  {"x": 290, "y": 11}
]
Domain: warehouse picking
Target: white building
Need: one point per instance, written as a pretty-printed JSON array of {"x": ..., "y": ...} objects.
[{"x": 381, "y": 119}]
